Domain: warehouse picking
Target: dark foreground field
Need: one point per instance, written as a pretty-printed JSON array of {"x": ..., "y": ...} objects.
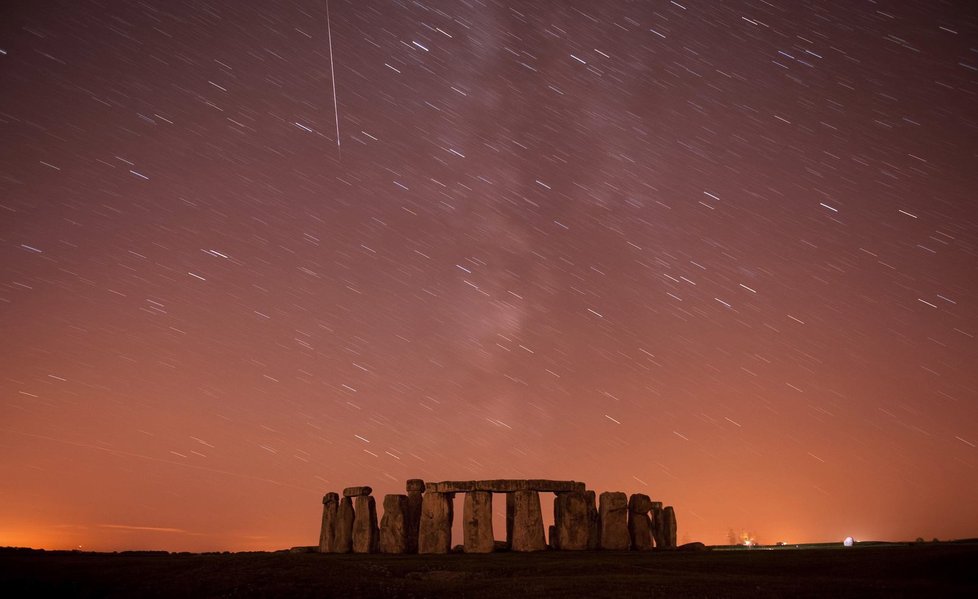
[{"x": 919, "y": 570}]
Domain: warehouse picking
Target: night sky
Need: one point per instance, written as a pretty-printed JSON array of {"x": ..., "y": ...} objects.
[{"x": 721, "y": 253}]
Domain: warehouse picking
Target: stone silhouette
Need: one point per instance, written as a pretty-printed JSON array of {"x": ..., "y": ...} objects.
[
  {"x": 394, "y": 525},
  {"x": 343, "y": 535},
  {"x": 327, "y": 531},
  {"x": 477, "y": 522},
  {"x": 658, "y": 525},
  {"x": 506, "y": 486},
  {"x": 613, "y": 512},
  {"x": 365, "y": 531},
  {"x": 527, "y": 521},
  {"x": 571, "y": 526},
  {"x": 415, "y": 488},
  {"x": 669, "y": 527},
  {"x": 593, "y": 522},
  {"x": 435, "y": 531},
  {"x": 639, "y": 523},
  {"x": 421, "y": 521}
]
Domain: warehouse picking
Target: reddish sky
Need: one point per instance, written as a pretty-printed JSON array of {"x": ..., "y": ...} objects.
[{"x": 725, "y": 254}]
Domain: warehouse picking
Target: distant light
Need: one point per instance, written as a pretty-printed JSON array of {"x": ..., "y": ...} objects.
[{"x": 848, "y": 541}]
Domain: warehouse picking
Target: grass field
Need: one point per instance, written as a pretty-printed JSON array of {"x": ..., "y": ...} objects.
[{"x": 891, "y": 570}]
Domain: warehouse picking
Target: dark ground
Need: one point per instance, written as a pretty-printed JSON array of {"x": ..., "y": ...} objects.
[{"x": 895, "y": 570}]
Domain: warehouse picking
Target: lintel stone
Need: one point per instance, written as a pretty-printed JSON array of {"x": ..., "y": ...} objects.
[
  {"x": 505, "y": 486},
  {"x": 357, "y": 491}
]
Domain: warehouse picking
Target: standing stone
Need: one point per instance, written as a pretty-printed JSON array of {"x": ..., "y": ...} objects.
[
  {"x": 343, "y": 537},
  {"x": 510, "y": 507},
  {"x": 570, "y": 522},
  {"x": 527, "y": 522},
  {"x": 435, "y": 530},
  {"x": 658, "y": 526},
  {"x": 327, "y": 531},
  {"x": 415, "y": 487},
  {"x": 393, "y": 526},
  {"x": 639, "y": 523},
  {"x": 365, "y": 531},
  {"x": 593, "y": 522},
  {"x": 552, "y": 537},
  {"x": 477, "y": 522},
  {"x": 669, "y": 527},
  {"x": 613, "y": 508}
]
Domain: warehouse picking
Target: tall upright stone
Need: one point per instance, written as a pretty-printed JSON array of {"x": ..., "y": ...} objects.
[
  {"x": 477, "y": 522},
  {"x": 669, "y": 527},
  {"x": 510, "y": 508},
  {"x": 327, "y": 531},
  {"x": 393, "y": 526},
  {"x": 365, "y": 531},
  {"x": 435, "y": 530},
  {"x": 527, "y": 521},
  {"x": 613, "y": 508},
  {"x": 658, "y": 525},
  {"x": 593, "y": 522},
  {"x": 639, "y": 523},
  {"x": 415, "y": 488},
  {"x": 343, "y": 535},
  {"x": 570, "y": 522}
]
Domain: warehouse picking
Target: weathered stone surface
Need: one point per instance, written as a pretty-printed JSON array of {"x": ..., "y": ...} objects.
[
  {"x": 505, "y": 486},
  {"x": 357, "y": 491},
  {"x": 593, "y": 522},
  {"x": 527, "y": 521},
  {"x": 639, "y": 503},
  {"x": 477, "y": 522},
  {"x": 658, "y": 527},
  {"x": 613, "y": 508},
  {"x": 365, "y": 531},
  {"x": 413, "y": 523},
  {"x": 571, "y": 522},
  {"x": 669, "y": 527},
  {"x": 639, "y": 523},
  {"x": 415, "y": 485},
  {"x": 327, "y": 531},
  {"x": 343, "y": 536},
  {"x": 393, "y": 526},
  {"x": 435, "y": 531},
  {"x": 552, "y": 537}
]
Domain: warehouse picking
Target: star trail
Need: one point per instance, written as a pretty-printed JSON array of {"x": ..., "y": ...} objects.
[{"x": 721, "y": 253}]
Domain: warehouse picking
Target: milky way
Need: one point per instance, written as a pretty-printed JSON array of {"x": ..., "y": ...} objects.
[{"x": 725, "y": 254}]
